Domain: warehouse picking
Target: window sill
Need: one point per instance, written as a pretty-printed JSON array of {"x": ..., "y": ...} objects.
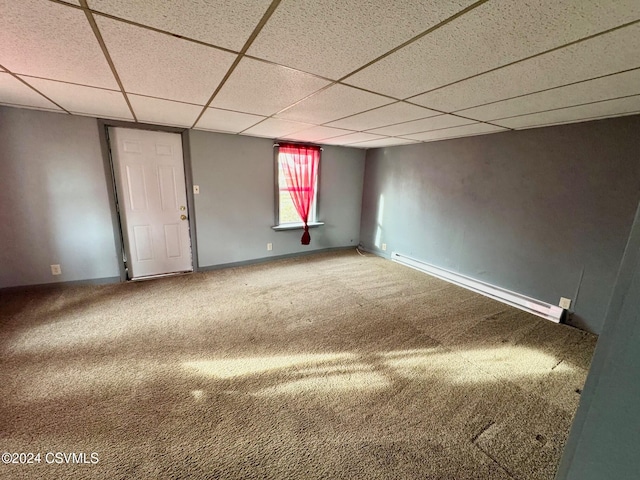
[{"x": 295, "y": 226}]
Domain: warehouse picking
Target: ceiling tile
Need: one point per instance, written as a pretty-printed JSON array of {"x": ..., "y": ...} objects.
[
  {"x": 264, "y": 88},
  {"x": 50, "y": 40},
  {"x": 159, "y": 65},
  {"x": 84, "y": 100},
  {"x": 276, "y": 128},
  {"x": 164, "y": 112},
  {"x": 226, "y": 23},
  {"x": 14, "y": 92},
  {"x": 494, "y": 34},
  {"x": 462, "y": 131},
  {"x": 387, "y": 115},
  {"x": 332, "y": 38},
  {"x": 433, "y": 123},
  {"x": 352, "y": 138},
  {"x": 384, "y": 142},
  {"x": 226, "y": 121},
  {"x": 332, "y": 103},
  {"x": 315, "y": 134},
  {"x": 605, "y": 88},
  {"x": 607, "y": 108},
  {"x": 603, "y": 55}
]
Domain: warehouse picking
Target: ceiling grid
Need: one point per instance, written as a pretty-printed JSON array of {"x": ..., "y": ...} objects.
[{"x": 362, "y": 73}]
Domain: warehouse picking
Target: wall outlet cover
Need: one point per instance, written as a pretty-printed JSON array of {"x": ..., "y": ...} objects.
[
  {"x": 565, "y": 303},
  {"x": 384, "y": 246},
  {"x": 196, "y": 189},
  {"x": 56, "y": 270}
]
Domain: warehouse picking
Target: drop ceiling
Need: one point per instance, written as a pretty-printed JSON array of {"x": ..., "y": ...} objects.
[{"x": 362, "y": 73}]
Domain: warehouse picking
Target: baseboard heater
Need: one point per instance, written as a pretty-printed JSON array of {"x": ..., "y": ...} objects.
[{"x": 528, "y": 304}]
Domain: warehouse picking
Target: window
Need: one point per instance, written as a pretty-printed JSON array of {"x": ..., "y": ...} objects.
[{"x": 296, "y": 187}]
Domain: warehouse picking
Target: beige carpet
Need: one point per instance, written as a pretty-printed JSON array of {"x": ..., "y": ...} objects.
[{"x": 332, "y": 366}]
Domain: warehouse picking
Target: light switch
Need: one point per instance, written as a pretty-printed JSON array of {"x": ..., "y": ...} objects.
[{"x": 196, "y": 189}]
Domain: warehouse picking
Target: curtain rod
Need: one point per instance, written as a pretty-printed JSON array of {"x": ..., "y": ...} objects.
[{"x": 303, "y": 144}]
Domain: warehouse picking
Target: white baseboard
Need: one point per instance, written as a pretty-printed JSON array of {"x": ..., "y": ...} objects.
[{"x": 528, "y": 304}]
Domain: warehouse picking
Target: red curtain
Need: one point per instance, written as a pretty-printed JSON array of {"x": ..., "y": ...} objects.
[{"x": 300, "y": 166}]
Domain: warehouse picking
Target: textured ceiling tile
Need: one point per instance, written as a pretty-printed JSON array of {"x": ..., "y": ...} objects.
[
  {"x": 226, "y": 23},
  {"x": 159, "y": 65},
  {"x": 385, "y": 142},
  {"x": 264, "y": 89},
  {"x": 226, "y": 121},
  {"x": 602, "y": 55},
  {"x": 605, "y": 88},
  {"x": 494, "y": 34},
  {"x": 332, "y": 103},
  {"x": 462, "y": 131},
  {"x": 164, "y": 112},
  {"x": 332, "y": 38},
  {"x": 387, "y": 115},
  {"x": 84, "y": 100},
  {"x": 433, "y": 123},
  {"x": 607, "y": 108},
  {"x": 276, "y": 128},
  {"x": 352, "y": 138},
  {"x": 315, "y": 134},
  {"x": 46, "y": 39},
  {"x": 14, "y": 92}
]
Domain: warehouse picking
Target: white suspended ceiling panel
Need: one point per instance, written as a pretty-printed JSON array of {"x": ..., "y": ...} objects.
[
  {"x": 333, "y": 38},
  {"x": 14, "y": 92},
  {"x": 226, "y": 120},
  {"x": 264, "y": 88},
  {"x": 389, "y": 114},
  {"x": 353, "y": 138},
  {"x": 225, "y": 23},
  {"x": 432, "y": 123},
  {"x": 85, "y": 100},
  {"x": 276, "y": 127},
  {"x": 49, "y": 40},
  {"x": 160, "y": 65},
  {"x": 333, "y": 103},
  {"x": 461, "y": 131},
  {"x": 315, "y": 134},
  {"x": 164, "y": 112}
]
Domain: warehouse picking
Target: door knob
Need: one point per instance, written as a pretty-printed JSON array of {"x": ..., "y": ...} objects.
[{"x": 183, "y": 217}]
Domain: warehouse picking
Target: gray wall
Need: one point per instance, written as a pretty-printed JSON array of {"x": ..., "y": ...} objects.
[
  {"x": 235, "y": 207},
  {"x": 544, "y": 212},
  {"x": 603, "y": 442},
  {"x": 54, "y": 207}
]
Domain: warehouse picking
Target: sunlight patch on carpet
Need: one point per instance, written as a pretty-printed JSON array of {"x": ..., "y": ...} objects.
[
  {"x": 345, "y": 382},
  {"x": 239, "y": 367}
]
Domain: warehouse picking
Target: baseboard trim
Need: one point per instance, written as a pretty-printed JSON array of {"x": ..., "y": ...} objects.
[
  {"x": 71, "y": 283},
  {"x": 256, "y": 261},
  {"x": 517, "y": 300}
]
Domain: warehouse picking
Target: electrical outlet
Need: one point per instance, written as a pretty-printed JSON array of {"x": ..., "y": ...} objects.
[
  {"x": 565, "y": 303},
  {"x": 269, "y": 246},
  {"x": 384, "y": 246},
  {"x": 56, "y": 270},
  {"x": 196, "y": 189}
]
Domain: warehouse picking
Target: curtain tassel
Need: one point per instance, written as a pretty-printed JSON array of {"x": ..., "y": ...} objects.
[{"x": 306, "y": 238}]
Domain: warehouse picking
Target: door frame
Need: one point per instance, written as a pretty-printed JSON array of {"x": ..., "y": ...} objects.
[{"x": 118, "y": 237}]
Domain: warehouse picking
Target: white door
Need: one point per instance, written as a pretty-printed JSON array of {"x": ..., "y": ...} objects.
[{"x": 152, "y": 198}]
